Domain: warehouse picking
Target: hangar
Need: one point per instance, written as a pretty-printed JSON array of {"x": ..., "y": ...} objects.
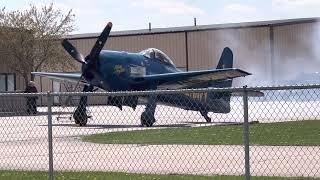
[{"x": 271, "y": 50}]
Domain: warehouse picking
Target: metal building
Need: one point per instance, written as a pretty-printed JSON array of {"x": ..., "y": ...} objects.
[{"x": 272, "y": 51}]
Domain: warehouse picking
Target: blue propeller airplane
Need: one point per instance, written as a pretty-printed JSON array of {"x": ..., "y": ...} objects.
[{"x": 150, "y": 69}]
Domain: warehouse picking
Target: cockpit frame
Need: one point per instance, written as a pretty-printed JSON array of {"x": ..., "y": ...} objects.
[{"x": 156, "y": 54}]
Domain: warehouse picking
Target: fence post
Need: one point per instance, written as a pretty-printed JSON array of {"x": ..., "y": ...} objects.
[
  {"x": 246, "y": 133},
  {"x": 49, "y": 104}
]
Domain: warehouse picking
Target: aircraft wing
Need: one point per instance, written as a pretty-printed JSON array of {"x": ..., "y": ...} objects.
[
  {"x": 73, "y": 77},
  {"x": 187, "y": 79}
]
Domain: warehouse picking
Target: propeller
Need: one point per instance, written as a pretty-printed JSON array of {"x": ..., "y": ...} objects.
[{"x": 90, "y": 62}]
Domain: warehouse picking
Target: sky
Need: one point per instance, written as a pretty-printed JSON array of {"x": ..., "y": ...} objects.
[{"x": 92, "y": 15}]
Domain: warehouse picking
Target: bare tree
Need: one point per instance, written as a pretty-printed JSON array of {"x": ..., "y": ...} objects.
[{"x": 30, "y": 39}]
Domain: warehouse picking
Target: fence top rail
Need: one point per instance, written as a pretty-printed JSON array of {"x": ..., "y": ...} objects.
[
  {"x": 128, "y": 93},
  {"x": 284, "y": 87},
  {"x": 24, "y": 94}
]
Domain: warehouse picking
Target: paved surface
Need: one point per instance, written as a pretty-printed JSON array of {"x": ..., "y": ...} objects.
[{"x": 23, "y": 144}]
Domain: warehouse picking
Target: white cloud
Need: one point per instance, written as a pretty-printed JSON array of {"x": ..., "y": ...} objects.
[
  {"x": 237, "y": 12},
  {"x": 168, "y": 7},
  {"x": 240, "y": 9},
  {"x": 295, "y": 3},
  {"x": 295, "y": 8},
  {"x": 300, "y": 7},
  {"x": 89, "y": 15}
]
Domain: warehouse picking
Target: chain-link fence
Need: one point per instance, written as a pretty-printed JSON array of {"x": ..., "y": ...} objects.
[
  {"x": 199, "y": 132},
  {"x": 23, "y": 133}
]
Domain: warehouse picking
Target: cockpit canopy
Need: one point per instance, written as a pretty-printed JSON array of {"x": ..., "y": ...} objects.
[{"x": 156, "y": 54}]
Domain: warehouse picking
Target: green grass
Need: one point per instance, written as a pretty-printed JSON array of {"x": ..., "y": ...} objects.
[
  {"x": 117, "y": 175},
  {"x": 301, "y": 133}
]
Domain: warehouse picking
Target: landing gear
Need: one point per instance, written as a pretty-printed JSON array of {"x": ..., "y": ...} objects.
[
  {"x": 147, "y": 117},
  {"x": 80, "y": 114},
  {"x": 205, "y": 115}
]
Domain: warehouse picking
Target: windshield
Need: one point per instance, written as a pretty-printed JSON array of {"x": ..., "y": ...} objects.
[{"x": 156, "y": 54}]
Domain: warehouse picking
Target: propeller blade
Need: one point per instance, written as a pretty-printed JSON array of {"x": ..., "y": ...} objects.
[
  {"x": 73, "y": 51},
  {"x": 101, "y": 41}
]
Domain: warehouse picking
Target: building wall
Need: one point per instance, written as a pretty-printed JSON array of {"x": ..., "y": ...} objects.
[
  {"x": 293, "y": 45},
  {"x": 296, "y": 50},
  {"x": 250, "y": 46},
  {"x": 4, "y": 68},
  {"x": 20, "y": 84},
  {"x": 272, "y": 53}
]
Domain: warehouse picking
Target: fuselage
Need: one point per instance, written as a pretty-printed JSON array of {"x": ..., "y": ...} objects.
[{"x": 119, "y": 69}]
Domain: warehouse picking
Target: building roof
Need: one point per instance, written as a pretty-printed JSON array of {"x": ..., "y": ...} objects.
[{"x": 198, "y": 28}]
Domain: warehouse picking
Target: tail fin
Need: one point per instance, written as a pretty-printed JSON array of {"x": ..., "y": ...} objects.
[
  {"x": 220, "y": 101},
  {"x": 226, "y": 59},
  {"x": 217, "y": 102}
]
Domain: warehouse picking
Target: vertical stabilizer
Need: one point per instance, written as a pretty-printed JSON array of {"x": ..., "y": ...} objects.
[
  {"x": 219, "y": 102},
  {"x": 226, "y": 59}
]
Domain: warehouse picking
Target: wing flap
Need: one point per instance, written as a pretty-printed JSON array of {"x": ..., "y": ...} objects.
[{"x": 216, "y": 76}]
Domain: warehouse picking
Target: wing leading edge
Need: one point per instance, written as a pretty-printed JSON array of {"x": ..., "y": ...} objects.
[{"x": 73, "y": 77}]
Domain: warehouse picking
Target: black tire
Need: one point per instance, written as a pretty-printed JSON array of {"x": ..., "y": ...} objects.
[
  {"x": 149, "y": 123},
  {"x": 76, "y": 121},
  {"x": 80, "y": 118},
  {"x": 83, "y": 122},
  {"x": 147, "y": 119}
]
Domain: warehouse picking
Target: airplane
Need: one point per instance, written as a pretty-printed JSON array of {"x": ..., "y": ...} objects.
[{"x": 150, "y": 69}]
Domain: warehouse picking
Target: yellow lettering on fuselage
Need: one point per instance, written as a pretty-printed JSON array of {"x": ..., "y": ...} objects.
[
  {"x": 200, "y": 96},
  {"x": 118, "y": 69}
]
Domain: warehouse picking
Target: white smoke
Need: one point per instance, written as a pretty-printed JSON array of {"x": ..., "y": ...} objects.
[
  {"x": 298, "y": 60},
  {"x": 296, "y": 55}
]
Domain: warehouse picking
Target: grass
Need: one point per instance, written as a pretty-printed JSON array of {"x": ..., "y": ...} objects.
[
  {"x": 300, "y": 133},
  {"x": 33, "y": 175}
]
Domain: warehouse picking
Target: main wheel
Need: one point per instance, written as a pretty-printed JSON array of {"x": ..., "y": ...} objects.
[{"x": 147, "y": 119}]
